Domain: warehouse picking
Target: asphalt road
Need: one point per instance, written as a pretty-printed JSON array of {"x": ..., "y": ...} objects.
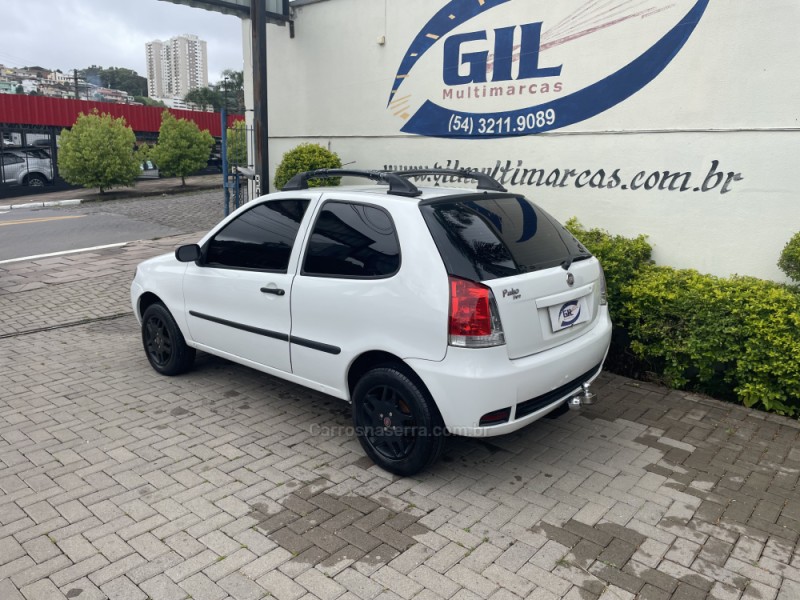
[{"x": 32, "y": 232}]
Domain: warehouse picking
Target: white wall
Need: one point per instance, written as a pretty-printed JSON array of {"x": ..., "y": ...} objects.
[{"x": 728, "y": 99}]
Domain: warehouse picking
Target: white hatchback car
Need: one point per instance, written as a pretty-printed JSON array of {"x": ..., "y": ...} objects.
[{"x": 432, "y": 310}]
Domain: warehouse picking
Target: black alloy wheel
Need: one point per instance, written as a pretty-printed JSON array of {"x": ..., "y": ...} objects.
[
  {"x": 397, "y": 423},
  {"x": 390, "y": 425},
  {"x": 164, "y": 344}
]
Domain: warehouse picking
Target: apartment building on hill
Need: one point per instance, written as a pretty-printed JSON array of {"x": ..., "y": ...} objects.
[{"x": 176, "y": 66}]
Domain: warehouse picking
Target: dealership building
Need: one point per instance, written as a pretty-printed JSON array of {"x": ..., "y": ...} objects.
[{"x": 677, "y": 119}]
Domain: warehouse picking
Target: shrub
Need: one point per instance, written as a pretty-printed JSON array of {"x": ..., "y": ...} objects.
[
  {"x": 789, "y": 261},
  {"x": 622, "y": 258},
  {"x": 98, "y": 152},
  {"x": 735, "y": 336},
  {"x": 237, "y": 145},
  {"x": 307, "y": 157}
]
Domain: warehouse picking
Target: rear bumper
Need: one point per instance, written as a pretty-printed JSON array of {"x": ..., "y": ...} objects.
[{"x": 470, "y": 383}]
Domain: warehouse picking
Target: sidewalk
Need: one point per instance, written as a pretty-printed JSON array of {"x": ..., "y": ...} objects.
[
  {"x": 228, "y": 484},
  {"x": 143, "y": 188}
]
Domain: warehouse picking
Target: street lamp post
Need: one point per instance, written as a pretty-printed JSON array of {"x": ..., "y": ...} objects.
[
  {"x": 225, "y": 84},
  {"x": 258, "y": 15},
  {"x": 224, "y": 146}
]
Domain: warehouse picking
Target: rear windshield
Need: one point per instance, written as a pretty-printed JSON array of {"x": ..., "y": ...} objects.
[{"x": 489, "y": 237}]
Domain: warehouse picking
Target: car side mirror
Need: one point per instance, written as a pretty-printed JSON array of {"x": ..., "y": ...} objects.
[{"x": 188, "y": 253}]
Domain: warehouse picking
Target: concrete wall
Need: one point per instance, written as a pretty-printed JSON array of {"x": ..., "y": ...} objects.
[{"x": 671, "y": 118}]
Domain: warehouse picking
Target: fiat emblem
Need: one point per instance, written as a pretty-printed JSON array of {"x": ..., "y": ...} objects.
[{"x": 570, "y": 279}]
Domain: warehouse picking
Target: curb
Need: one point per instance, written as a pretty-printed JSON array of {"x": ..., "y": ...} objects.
[{"x": 42, "y": 204}]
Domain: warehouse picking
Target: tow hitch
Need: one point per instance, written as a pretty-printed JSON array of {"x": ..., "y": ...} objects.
[{"x": 586, "y": 398}]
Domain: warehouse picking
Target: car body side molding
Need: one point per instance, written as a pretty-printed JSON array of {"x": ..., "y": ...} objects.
[
  {"x": 327, "y": 348},
  {"x": 284, "y": 337}
]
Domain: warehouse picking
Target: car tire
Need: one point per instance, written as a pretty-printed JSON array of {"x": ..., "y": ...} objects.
[
  {"x": 396, "y": 420},
  {"x": 34, "y": 180},
  {"x": 164, "y": 344}
]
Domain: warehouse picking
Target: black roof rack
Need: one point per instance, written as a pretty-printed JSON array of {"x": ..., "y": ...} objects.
[
  {"x": 485, "y": 182},
  {"x": 397, "y": 185}
]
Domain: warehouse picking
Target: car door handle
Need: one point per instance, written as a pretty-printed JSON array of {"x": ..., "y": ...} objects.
[{"x": 276, "y": 291}]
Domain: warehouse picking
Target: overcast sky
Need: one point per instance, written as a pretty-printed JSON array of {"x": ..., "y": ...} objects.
[{"x": 74, "y": 34}]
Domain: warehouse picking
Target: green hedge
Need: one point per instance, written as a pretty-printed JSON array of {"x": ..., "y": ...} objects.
[
  {"x": 622, "y": 258},
  {"x": 712, "y": 334},
  {"x": 736, "y": 338}
]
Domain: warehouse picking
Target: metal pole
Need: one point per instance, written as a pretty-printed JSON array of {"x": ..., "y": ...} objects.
[
  {"x": 224, "y": 151},
  {"x": 258, "y": 15}
]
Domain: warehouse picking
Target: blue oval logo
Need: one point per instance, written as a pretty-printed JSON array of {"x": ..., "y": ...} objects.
[
  {"x": 569, "y": 313},
  {"x": 510, "y": 66}
]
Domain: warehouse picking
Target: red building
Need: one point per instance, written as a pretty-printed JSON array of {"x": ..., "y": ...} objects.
[
  {"x": 19, "y": 112},
  {"x": 30, "y": 125}
]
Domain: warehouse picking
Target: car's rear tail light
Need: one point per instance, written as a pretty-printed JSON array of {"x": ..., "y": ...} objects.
[
  {"x": 603, "y": 290},
  {"x": 474, "y": 319}
]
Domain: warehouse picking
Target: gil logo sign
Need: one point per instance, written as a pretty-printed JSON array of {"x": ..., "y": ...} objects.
[{"x": 541, "y": 65}]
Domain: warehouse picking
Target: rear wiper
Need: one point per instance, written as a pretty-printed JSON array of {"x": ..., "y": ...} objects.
[{"x": 567, "y": 262}]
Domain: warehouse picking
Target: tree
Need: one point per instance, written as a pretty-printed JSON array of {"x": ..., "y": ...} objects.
[
  {"x": 232, "y": 88},
  {"x": 237, "y": 144},
  {"x": 98, "y": 152},
  {"x": 149, "y": 101},
  {"x": 204, "y": 97},
  {"x": 182, "y": 148},
  {"x": 229, "y": 91},
  {"x": 117, "y": 78},
  {"x": 789, "y": 261}
]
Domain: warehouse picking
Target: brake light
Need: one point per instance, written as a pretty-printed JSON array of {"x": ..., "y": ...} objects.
[
  {"x": 603, "y": 289},
  {"x": 474, "y": 319}
]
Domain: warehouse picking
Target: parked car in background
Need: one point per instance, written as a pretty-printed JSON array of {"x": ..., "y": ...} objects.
[
  {"x": 149, "y": 170},
  {"x": 431, "y": 310},
  {"x": 24, "y": 167},
  {"x": 35, "y": 152}
]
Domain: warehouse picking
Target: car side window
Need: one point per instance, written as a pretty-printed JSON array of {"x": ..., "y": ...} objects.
[
  {"x": 260, "y": 239},
  {"x": 352, "y": 240},
  {"x": 11, "y": 159}
]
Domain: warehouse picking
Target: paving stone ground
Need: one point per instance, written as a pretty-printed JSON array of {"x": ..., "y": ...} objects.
[{"x": 118, "y": 483}]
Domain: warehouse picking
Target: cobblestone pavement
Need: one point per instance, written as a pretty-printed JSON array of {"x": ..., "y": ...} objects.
[{"x": 227, "y": 483}]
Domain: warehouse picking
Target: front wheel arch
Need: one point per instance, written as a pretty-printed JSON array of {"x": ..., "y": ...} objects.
[
  {"x": 145, "y": 301},
  {"x": 164, "y": 345}
]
